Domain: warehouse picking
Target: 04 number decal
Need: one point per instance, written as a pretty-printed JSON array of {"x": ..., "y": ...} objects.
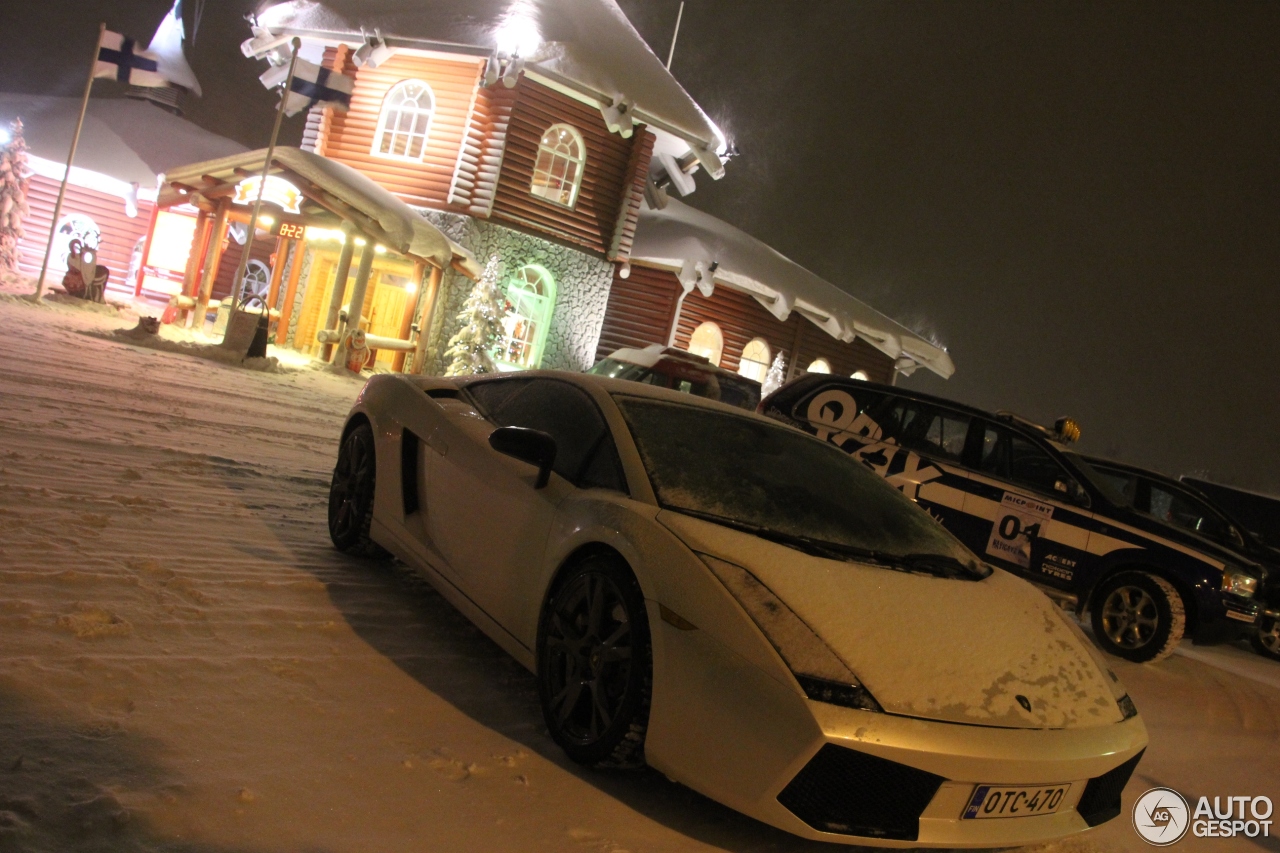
[
  {"x": 1011, "y": 528},
  {"x": 1020, "y": 521}
]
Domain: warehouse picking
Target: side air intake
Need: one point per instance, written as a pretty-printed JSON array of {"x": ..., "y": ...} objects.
[
  {"x": 1100, "y": 801},
  {"x": 409, "y": 447}
]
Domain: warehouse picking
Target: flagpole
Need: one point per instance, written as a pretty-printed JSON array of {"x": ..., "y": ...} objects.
[
  {"x": 238, "y": 285},
  {"x": 75, "y": 142}
]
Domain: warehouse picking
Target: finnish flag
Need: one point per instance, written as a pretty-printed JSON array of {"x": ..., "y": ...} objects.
[
  {"x": 120, "y": 59},
  {"x": 312, "y": 85}
]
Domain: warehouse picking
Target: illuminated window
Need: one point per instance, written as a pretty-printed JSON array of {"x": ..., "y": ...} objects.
[
  {"x": 707, "y": 341},
  {"x": 74, "y": 226},
  {"x": 404, "y": 121},
  {"x": 819, "y": 365},
  {"x": 754, "y": 363},
  {"x": 531, "y": 297},
  {"x": 557, "y": 174},
  {"x": 860, "y": 375}
]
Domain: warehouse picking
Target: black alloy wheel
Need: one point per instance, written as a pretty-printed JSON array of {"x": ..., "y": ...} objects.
[
  {"x": 595, "y": 670},
  {"x": 351, "y": 494},
  {"x": 1266, "y": 637},
  {"x": 1138, "y": 616}
]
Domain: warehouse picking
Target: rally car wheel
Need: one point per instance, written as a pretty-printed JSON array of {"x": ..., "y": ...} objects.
[
  {"x": 351, "y": 494},
  {"x": 1138, "y": 616},
  {"x": 1266, "y": 639},
  {"x": 595, "y": 669}
]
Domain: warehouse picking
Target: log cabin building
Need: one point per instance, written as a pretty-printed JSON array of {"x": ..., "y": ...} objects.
[{"x": 545, "y": 134}]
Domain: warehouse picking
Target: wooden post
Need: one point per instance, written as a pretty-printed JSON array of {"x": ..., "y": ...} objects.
[
  {"x": 195, "y": 259},
  {"x": 355, "y": 308},
  {"x": 146, "y": 250},
  {"x": 212, "y": 258},
  {"x": 277, "y": 271},
  {"x": 795, "y": 347},
  {"x": 428, "y": 315},
  {"x": 290, "y": 291},
  {"x": 339, "y": 287},
  {"x": 411, "y": 311}
]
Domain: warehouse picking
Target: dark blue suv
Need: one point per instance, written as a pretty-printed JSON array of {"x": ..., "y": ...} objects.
[{"x": 1017, "y": 496}]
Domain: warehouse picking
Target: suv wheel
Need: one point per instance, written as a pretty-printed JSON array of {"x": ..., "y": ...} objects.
[
  {"x": 1138, "y": 616},
  {"x": 1266, "y": 639}
]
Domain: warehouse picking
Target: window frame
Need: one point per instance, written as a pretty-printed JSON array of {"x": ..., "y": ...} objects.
[
  {"x": 768, "y": 359},
  {"x": 974, "y": 461},
  {"x": 382, "y": 129},
  {"x": 537, "y": 345},
  {"x": 719, "y": 334},
  {"x": 549, "y": 149},
  {"x": 825, "y": 362}
]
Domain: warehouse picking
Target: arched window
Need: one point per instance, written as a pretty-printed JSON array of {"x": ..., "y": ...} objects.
[
  {"x": 404, "y": 121},
  {"x": 754, "y": 363},
  {"x": 819, "y": 365},
  {"x": 531, "y": 296},
  {"x": 557, "y": 174},
  {"x": 74, "y": 226},
  {"x": 860, "y": 375},
  {"x": 707, "y": 341}
]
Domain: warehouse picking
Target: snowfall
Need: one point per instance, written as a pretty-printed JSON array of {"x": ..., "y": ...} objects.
[{"x": 188, "y": 665}]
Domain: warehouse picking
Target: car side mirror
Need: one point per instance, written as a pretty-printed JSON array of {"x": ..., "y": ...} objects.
[{"x": 528, "y": 445}]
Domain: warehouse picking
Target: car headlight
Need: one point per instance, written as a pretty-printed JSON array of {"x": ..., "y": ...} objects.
[
  {"x": 1238, "y": 582},
  {"x": 821, "y": 674}
]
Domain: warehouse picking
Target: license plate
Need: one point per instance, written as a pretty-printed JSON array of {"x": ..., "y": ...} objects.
[{"x": 1020, "y": 801}]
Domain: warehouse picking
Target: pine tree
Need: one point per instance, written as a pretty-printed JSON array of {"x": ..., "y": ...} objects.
[
  {"x": 13, "y": 196},
  {"x": 471, "y": 350},
  {"x": 775, "y": 377}
]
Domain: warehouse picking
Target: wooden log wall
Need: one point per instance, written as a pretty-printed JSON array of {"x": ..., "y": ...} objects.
[
  {"x": 641, "y": 308},
  {"x": 120, "y": 233},
  {"x": 348, "y": 137},
  {"x": 475, "y": 183},
  {"x": 639, "y": 311},
  {"x": 263, "y": 246},
  {"x": 607, "y": 178}
]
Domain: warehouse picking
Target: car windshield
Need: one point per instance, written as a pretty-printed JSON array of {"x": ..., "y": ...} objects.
[{"x": 783, "y": 485}]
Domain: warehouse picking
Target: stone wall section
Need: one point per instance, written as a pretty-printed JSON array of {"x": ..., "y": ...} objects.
[{"x": 582, "y": 289}]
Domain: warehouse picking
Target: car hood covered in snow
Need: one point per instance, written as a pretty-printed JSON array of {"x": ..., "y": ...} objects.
[{"x": 952, "y": 650}]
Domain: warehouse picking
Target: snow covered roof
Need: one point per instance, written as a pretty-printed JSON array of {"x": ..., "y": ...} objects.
[
  {"x": 588, "y": 45},
  {"x": 131, "y": 141},
  {"x": 690, "y": 242},
  {"x": 394, "y": 223}
]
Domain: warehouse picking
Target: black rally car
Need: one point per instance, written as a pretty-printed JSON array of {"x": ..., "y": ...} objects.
[
  {"x": 1014, "y": 493},
  {"x": 1190, "y": 504}
]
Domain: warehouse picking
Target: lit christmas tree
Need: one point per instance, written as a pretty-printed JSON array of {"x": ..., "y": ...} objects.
[
  {"x": 775, "y": 377},
  {"x": 471, "y": 350},
  {"x": 13, "y": 196}
]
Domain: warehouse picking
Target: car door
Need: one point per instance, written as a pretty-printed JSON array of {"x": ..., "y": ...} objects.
[
  {"x": 486, "y": 517},
  {"x": 1022, "y": 501}
]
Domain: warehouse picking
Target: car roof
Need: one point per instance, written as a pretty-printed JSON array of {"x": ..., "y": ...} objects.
[
  {"x": 623, "y": 387},
  {"x": 1023, "y": 426}
]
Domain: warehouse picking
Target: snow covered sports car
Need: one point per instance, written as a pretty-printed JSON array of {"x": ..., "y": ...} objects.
[{"x": 741, "y": 606}]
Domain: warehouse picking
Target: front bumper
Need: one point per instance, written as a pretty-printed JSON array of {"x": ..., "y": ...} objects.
[
  {"x": 1225, "y": 617},
  {"x": 901, "y": 782}
]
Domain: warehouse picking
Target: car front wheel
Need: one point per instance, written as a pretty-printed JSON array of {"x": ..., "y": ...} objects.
[
  {"x": 595, "y": 670},
  {"x": 1266, "y": 639},
  {"x": 1138, "y": 616}
]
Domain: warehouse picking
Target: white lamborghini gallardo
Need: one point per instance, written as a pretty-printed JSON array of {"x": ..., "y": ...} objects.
[{"x": 741, "y": 606}]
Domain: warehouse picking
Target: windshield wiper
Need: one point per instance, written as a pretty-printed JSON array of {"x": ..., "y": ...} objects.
[{"x": 937, "y": 565}]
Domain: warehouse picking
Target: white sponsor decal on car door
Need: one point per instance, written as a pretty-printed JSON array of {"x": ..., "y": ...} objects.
[{"x": 1021, "y": 519}]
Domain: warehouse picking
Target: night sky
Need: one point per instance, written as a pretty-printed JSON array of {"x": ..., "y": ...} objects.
[{"x": 1080, "y": 200}]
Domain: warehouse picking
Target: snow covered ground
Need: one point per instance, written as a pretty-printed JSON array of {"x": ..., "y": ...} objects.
[{"x": 188, "y": 665}]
